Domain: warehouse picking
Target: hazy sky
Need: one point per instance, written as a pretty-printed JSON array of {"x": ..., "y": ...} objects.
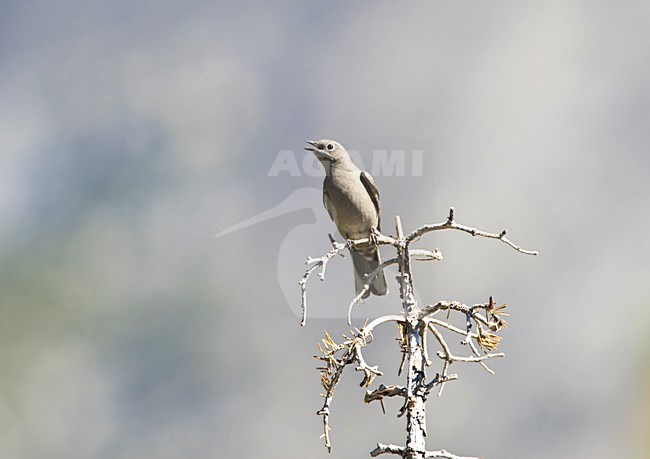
[{"x": 132, "y": 133}]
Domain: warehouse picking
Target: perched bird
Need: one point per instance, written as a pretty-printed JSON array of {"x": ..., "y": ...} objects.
[{"x": 352, "y": 201}]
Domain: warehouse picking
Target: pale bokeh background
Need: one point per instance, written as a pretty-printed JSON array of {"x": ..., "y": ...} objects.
[{"x": 132, "y": 133}]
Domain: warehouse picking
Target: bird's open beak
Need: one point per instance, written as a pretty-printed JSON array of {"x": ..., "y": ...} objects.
[
  {"x": 320, "y": 153},
  {"x": 313, "y": 144}
]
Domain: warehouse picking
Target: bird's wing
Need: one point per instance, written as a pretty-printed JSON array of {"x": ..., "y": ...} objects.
[
  {"x": 327, "y": 203},
  {"x": 371, "y": 188}
]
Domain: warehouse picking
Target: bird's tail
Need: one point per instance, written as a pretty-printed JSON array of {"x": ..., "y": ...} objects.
[{"x": 364, "y": 266}]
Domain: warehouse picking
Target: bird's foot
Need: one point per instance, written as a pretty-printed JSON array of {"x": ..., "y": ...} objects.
[
  {"x": 350, "y": 243},
  {"x": 374, "y": 236}
]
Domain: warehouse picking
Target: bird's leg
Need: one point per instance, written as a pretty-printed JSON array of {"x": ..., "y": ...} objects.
[
  {"x": 374, "y": 235},
  {"x": 349, "y": 242}
]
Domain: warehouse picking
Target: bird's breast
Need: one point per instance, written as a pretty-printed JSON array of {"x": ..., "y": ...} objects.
[{"x": 352, "y": 208}]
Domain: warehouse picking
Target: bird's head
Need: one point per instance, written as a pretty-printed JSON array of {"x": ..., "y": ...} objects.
[{"x": 328, "y": 151}]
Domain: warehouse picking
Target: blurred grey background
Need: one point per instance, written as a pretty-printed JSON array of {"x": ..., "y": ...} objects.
[{"x": 133, "y": 132}]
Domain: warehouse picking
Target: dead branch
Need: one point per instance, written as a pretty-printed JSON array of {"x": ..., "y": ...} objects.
[
  {"x": 318, "y": 262},
  {"x": 366, "y": 286},
  {"x": 384, "y": 391},
  {"x": 400, "y": 451},
  {"x": 451, "y": 224},
  {"x": 481, "y": 323},
  {"x": 350, "y": 352}
]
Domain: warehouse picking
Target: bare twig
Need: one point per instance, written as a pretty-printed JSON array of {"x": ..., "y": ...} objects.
[
  {"x": 448, "y": 326},
  {"x": 387, "y": 449},
  {"x": 400, "y": 451},
  {"x": 331, "y": 373},
  {"x": 455, "y": 358},
  {"x": 440, "y": 380},
  {"x": 350, "y": 351},
  {"x": 318, "y": 262},
  {"x": 451, "y": 224},
  {"x": 384, "y": 391},
  {"x": 446, "y": 455},
  {"x": 445, "y": 355},
  {"x": 426, "y": 255},
  {"x": 380, "y": 320},
  {"x": 369, "y": 279}
]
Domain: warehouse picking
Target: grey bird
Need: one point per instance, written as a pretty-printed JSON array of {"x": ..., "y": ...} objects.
[{"x": 352, "y": 201}]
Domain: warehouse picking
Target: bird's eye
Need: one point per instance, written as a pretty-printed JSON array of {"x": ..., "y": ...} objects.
[{"x": 330, "y": 147}]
